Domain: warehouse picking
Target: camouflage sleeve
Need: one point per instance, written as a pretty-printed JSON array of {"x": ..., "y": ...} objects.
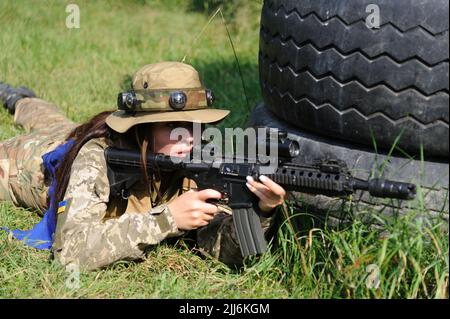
[{"x": 91, "y": 242}]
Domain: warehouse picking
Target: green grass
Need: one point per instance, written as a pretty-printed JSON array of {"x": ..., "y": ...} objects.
[{"x": 82, "y": 70}]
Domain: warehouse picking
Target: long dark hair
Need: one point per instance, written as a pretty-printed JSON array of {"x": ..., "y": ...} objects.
[{"x": 94, "y": 128}]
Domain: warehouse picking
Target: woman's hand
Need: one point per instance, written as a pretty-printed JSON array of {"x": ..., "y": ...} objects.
[
  {"x": 270, "y": 193},
  {"x": 190, "y": 210}
]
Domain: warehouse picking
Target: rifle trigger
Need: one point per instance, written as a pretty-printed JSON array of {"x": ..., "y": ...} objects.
[{"x": 213, "y": 201}]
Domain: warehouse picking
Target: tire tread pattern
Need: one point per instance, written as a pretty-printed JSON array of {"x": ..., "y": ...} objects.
[{"x": 323, "y": 69}]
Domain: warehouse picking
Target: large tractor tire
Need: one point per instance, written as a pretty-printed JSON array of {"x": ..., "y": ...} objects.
[
  {"x": 432, "y": 177},
  {"x": 324, "y": 69}
]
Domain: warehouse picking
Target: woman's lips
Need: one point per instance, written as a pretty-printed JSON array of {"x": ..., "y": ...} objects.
[{"x": 181, "y": 152}]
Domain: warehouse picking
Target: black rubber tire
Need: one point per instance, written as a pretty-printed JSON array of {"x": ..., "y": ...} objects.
[
  {"x": 433, "y": 177},
  {"x": 323, "y": 70}
]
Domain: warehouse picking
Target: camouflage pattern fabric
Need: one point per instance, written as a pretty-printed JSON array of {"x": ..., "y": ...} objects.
[
  {"x": 21, "y": 170},
  {"x": 90, "y": 232},
  {"x": 83, "y": 237}
]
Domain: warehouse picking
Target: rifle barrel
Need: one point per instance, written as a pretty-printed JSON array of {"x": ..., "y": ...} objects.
[{"x": 385, "y": 188}]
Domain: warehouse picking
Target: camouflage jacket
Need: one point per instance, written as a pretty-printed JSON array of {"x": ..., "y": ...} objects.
[
  {"x": 95, "y": 230},
  {"x": 90, "y": 232}
]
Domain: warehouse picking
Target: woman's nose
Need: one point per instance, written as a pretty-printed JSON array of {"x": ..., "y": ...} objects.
[{"x": 190, "y": 140}]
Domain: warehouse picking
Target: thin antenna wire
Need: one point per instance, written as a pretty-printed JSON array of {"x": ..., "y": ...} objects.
[
  {"x": 200, "y": 34},
  {"x": 237, "y": 61},
  {"x": 232, "y": 47}
]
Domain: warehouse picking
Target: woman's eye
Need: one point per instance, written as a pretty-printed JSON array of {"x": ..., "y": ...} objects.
[{"x": 174, "y": 125}]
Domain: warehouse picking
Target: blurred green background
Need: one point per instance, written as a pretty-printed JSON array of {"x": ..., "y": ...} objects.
[{"x": 82, "y": 70}]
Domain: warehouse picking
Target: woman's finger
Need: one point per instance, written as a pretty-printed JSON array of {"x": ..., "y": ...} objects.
[
  {"x": 262, "y": 196},
  {"x": 205, "y": 194},
  {"x": 202, "y": 223},
  {"x": 274, "y": 187},
  {"x": 262, "y": 188},
  {"x": 255, "y": 184},
  {"x": 207, "y": 217},
  {"x": 210, "y": 209},
  {"x": 265, "y": 204}
]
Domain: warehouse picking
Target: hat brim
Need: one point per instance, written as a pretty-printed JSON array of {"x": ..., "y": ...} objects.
[{"x": 120, "y": 121}]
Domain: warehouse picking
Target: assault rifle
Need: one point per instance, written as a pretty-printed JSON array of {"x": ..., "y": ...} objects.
[{"x": 228, "y": 176}]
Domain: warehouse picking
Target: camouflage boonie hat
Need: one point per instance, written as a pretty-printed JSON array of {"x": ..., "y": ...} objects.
[{"x": 165, "y": 92}]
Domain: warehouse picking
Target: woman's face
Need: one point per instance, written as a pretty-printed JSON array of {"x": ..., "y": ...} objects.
[{"x": 173, "y": 147}]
